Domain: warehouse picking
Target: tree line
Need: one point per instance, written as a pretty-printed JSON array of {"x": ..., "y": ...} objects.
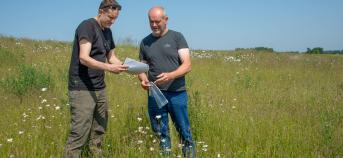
[
  {"x": 320, "y": 50},
  {"x": 316, "y": 50}
]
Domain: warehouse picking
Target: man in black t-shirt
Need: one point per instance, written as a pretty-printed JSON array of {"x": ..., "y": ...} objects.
[
  {"x": 167, "y": 54},
  {"x": 93, "y": 53}
]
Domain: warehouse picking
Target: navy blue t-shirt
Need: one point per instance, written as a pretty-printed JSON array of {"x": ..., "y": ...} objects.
[
  {"x": 161, "y": 54},
  {"x": 82, "y": 77}
]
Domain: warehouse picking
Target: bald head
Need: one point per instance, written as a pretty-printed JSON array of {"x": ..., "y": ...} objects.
[
  {"x": 157, "y": 11},
  {"x": 158, "y": 21}
]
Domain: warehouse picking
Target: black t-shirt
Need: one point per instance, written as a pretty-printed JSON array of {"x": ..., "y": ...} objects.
[
  {"x": 161, "y": 54},
  {"x": 82, "y": 77}
]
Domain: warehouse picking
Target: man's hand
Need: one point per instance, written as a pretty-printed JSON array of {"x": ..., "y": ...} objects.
[
  {"x": 117, "y": 68},
  {"x": 164, "y": 78},
  {"x": 144, "y": 81},
  {"x": 145, "y": 84}
]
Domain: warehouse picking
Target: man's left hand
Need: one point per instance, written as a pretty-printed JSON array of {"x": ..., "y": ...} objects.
[{"x": 164, "y": 78}]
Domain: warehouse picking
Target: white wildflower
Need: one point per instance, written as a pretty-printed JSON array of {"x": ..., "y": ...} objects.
[
  {"x": 139, "y": 141},
  {"x": 152, "y": 149},
  {"x": 158, "y": 116},
  {"x": 43, "y": 101},
  {"x": 140, "y": 129},
  {"x": 25, "y": 115},
  {"x": 44, "y": 89},
  {"x": 40, "y": 117},
  {"x": 139, "y": 119},
  {"x": 218, "y": 155},
  {"x": 21, "y": 132},
  {"x": 57, "y": 108},
  {"x": 10, "y": 140}
]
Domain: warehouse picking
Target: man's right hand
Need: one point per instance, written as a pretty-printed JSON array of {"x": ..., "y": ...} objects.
[
  {"x": 117, "y": 68},
  {"x": 145, "y": 84}
]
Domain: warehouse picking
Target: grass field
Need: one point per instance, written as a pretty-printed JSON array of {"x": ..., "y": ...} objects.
[{"x": 242, "y": 104}]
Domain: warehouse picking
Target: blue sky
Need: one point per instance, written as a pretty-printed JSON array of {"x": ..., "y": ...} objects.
[{"x": 285, "y": 25}]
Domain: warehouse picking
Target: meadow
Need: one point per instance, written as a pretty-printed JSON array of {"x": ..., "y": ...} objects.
[{"x": 242, "y": 104}]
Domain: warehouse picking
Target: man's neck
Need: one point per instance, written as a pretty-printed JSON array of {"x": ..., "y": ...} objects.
[
  {"x": 164, "y": 32},
  {"x": 98, "y": 21}
]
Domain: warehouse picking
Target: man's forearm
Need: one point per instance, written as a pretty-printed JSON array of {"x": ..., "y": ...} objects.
[
  {"x": 142, "y": 77},
  {"x": 181, "y": 70},
  {"x": 94, "y": 64}
]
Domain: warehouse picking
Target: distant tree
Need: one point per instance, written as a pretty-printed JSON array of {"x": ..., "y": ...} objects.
[
  {"x": 264, "y": 49},
  {"x": 308, "y": 51},
  {"x": 316, "y": 50},
  {"x": 239, "y": 49}
]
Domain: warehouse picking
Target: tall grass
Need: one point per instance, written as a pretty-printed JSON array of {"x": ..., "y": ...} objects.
[
  {"x": 28, "y": 78},
  {"x": 241, "y": 104}
]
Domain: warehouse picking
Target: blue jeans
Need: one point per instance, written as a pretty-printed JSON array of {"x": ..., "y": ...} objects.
[{"x": 178, "y": 110}]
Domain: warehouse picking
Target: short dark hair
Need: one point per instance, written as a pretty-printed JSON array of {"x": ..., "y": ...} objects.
[{"x": 109, "y": 4}]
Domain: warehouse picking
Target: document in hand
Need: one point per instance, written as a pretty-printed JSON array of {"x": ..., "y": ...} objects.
[
  {"x": 136, "y": 67},
  {"x": 160, "y": 99}
]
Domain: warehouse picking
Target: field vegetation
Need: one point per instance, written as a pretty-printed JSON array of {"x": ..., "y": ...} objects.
[{"x": 243, "y": 103}]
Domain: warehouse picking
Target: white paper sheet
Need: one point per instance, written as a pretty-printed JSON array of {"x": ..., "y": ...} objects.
[{"x": 136, "y": 67}]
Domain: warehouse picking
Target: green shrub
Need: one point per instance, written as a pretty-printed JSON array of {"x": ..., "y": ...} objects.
[{"x": 27, "y": 79}]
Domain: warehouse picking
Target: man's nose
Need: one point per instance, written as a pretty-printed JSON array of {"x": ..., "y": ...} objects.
[{"x": 154, "y": 24}]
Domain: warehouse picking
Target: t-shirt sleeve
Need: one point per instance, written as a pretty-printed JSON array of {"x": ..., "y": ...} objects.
[
  {"x": 141, "y": 52},
  {"x": 84, "y": 31},
  {"x": 112, "y": 44},
  {"x": 181, "y": 41}
]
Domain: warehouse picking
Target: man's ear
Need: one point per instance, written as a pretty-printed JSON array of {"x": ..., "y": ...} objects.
[{"x": 100, "y": 11}]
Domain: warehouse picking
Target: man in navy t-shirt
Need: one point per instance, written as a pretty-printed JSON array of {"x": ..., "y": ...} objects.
[
  {"x": 167, "y": 54},
  {"x": 93, "y": 53}
]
